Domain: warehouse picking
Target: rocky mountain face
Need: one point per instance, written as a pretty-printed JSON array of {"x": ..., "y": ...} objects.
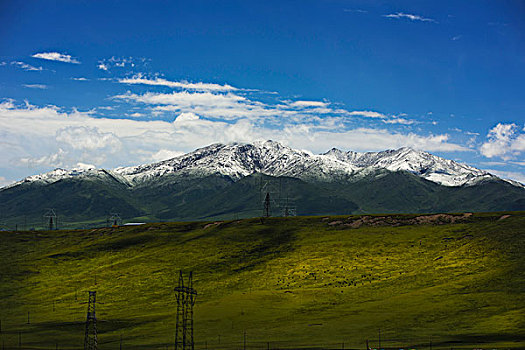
[{"x": 271, "y": 158}]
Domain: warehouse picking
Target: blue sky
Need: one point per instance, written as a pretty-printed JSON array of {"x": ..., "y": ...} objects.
[{"x": 113, "y": 83}]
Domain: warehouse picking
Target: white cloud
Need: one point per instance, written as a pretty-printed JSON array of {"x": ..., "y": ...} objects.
[
  {"x": 36, "y": 86},
  {"x": 53, "y": 160},
  {"x": 164, "y": 154},
  {"x": 367, "y": 139},
  {"x": 399, "y": 121},
  {"x": 139, "y": 79},
  {"x": 43, "y": 137},
  {"x": 84, "y": 166},
  {"x": 457, "y": 37},
  {"x": 308, "y": 104},
  {"x": 183, "y": 117},
  {"x": 80, "y": 79},
  {"x": 494, "y": 163},
  {"x": 230, "y": 106},
  {"x": 368, "y": 114},
  {"x": 56, "y": 56},
  {"x": 400, "y": 15},
  {"x": 506, "y": 141},
  {"x": 108, "y": 64},
  {"x": 218, "y": 106},
  {"x": 25, "y": 66},
  {"x": 184, "y": 98},
  {"x": 88, "y": 138}
]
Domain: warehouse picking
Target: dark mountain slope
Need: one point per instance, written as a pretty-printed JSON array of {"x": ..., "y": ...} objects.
[{"x": 83, "y": 200}]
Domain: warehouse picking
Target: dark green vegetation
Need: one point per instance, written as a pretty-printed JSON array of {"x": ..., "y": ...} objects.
[
  {"x": 457, "y": 280},
  {"x": 86, "y": 202}
]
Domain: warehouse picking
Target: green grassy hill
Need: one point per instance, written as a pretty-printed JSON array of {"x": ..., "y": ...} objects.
[{"x": 457, "y": 281}]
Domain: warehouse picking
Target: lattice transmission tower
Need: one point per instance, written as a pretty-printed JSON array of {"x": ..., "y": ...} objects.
[
  {"x": 186, "y": 297},
  {"x": 51, "y": 219},
  {"x": 274, "y": 194},
  {"x": 90, "y": 337},
  {"x": 114, "y": 220},
  {"x": 269, "y": 196}
]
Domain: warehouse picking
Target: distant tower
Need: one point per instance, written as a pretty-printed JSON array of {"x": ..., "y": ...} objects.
[
  {"x": 269, "y": 195},
  {"x": 50, "y": 219},
  {"x": 114, "y": 220},
  {"x": 90, "y": 338},
  {"x": 274, "y": 197},
  {"x": 186, "y": 297}
]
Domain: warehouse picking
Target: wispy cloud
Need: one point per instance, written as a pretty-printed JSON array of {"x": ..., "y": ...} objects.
[
  {"x": 108, "y": 64},
  {"x": 232, "y": 106},
  {"x": 56, "y": 56},
  {"x": 399, "y": 121},
  {"x": 401, "y": 15},
  {"x": 308, "y": 104},
  {"x": 80, "y": 79},
  {"x": 139, "y": 79},
  {"x": 368, "y": 114},
  {"x": 36, "y": 86},
  {"x": 25, "y": 66},
  {"x": 227, "y": 106},
  {"x": 457, "y": 37}
]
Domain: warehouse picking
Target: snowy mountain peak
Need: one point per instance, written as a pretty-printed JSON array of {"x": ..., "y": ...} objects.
[{"x": 237, "y": 160}]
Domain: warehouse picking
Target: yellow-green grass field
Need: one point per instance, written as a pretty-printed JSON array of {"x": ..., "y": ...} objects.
[{"x": 455, "y": 281}]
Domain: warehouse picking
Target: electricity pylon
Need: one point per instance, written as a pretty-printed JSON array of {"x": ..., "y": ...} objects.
[{"x": 186, "y": 297}]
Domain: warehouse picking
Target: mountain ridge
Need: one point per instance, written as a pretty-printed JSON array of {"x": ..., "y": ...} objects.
[
  {"x": 220, "y": 182},
  {"x": 238, "y": 160}
]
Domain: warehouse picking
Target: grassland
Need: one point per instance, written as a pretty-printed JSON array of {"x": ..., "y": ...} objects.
[{"x": 455, "y": 281}]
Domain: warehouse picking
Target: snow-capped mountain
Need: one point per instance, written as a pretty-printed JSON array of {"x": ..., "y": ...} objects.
[
  {"x": 440, "y": 170},
  {"x": 239, "y": 160},
  {"x": 83, "y": 171},
  {"x": 272, "y": 158}
]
